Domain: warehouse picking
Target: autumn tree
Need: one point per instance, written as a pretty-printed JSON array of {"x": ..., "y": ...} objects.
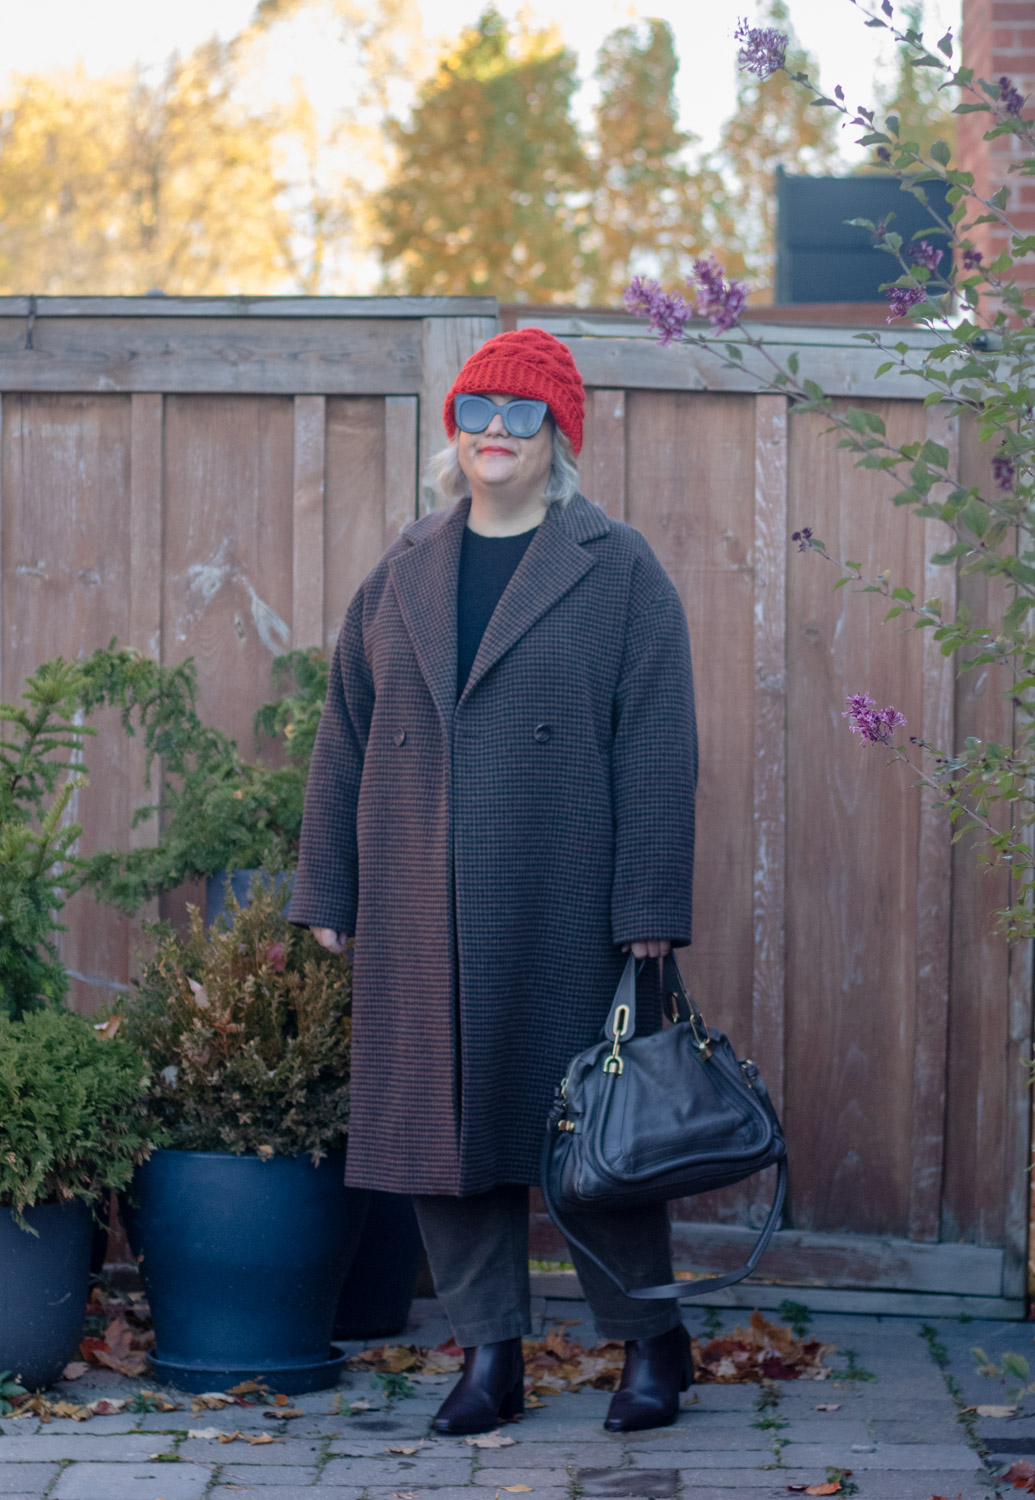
[
  {"x": 654, "y": 208},
  {"x": 773, "y": 125},
  {"x": 126, "y": 184},
  {"x": 490, "y": 191}
]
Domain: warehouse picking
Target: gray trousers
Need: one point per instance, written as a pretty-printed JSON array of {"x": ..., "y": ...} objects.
[{"x": 478, "y": 1252}]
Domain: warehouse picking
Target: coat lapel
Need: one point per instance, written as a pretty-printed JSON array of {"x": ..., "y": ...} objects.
[
  {"x": 553, "y": 564},
  {"x": 425, "y": 580}
]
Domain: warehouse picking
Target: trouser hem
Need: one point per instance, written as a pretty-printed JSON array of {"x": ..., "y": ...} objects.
[
  {"x": 648, "y": 1326},
  {"x": 490, "y": 1330}
]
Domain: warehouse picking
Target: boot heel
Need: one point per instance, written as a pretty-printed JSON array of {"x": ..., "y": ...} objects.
[{"x": 513, "y": 1403}]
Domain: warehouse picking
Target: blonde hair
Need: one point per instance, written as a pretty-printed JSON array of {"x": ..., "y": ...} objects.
[{"x": 444, "y": 481}]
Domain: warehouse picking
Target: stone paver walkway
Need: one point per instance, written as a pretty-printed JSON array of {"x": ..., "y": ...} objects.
[{"x": 904, "y": 1434}]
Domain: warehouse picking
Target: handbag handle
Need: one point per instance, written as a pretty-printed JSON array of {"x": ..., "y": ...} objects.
[
  {"x": 684, "y": 1008},
  {"x": 681, "y": 1290}
]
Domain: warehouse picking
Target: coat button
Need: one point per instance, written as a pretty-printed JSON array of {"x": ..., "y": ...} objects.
[
  {"x": 399, "y": 736},
  {"x": 541, "y": 732}
]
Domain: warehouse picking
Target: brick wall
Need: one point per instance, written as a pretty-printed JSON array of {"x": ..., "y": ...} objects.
[{"x": 998, "y": 38}]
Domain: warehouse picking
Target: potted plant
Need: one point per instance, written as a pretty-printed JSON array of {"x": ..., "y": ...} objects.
[
  {"x": 241, "y": 1223},
  {"x": 73, "y": 1125}
]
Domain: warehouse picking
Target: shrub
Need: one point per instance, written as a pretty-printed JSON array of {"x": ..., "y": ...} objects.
[
  {"x": 73, "y": 1120},
  {"x": 246, "y": 1029}
]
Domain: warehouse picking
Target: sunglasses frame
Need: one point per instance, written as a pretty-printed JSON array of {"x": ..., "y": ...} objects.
[{"x": 504, "y": 412}]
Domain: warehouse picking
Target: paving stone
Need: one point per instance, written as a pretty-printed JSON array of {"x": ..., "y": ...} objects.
[
  {"x": 773, "y": 1486},
  {"x": 743, "y": 1456},
  {"x": 128, "y": 1448},
  {"x": 447, "y": 1492},
  {"x": 296, "y": 1492},
  {"x": 944, "y": 1429},
  {"x": 540, "y": 1455},
  {"x": 904, "y": 1456},
  {"x": 287, "y": 1451},
  {"x": 25, "y": 1479},
  {"x": 539, "y": 1479},
  {"x": 640, "y": 1484},
  {"x": 104, "y": 1481},
  {"x": 286, "y": 1476},
  {"x": 402, "y": 1473}
]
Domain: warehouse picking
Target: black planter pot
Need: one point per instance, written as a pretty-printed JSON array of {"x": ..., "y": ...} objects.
[
  {"x": 43, "y": 1286},
  {"x": 238, "y": 881},
  {"x": 375, "y": 1300},
  {"x": 243, "y": 1262}
]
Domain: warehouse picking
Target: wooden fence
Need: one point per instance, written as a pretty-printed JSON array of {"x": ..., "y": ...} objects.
[{"x": 214, "y": 478}]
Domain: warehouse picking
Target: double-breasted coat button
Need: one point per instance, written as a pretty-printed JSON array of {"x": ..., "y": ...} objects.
[
  {"x": 541, "y": 732},
  {"x": 399, "y": 736}
]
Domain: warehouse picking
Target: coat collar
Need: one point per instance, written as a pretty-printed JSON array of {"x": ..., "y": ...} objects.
[{"x": 425, "y": 575}]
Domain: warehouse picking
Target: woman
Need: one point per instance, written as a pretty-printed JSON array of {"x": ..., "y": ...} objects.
[{"x": 500, "y": 805}]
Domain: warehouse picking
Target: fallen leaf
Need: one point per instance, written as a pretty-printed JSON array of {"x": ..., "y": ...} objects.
[
  {"x": 75, "y": 1369},
  {"x": 401, "y": 1449},
  {"x": 833, "y": 1488},
  {"x": 490, "y": 1440},
  {"x": 994, "y": 1411},
  {"x": 107, "y": 1029},
  {"x": 830, "y": 1406},
  {"x": 249, "y": 1388},
  {"x": 210, "y": 1401},
  {"x": 120, "y": 1349},
  {"x": 516, "y": 1489},
  {"x": 362, "y": 1405},
  {"x": 108, "y": 1406},
  {"x": 1021, "y": 1475},
  {"x": 285, "y": 1413},
  {"x": 208, "y": 1432},
  {"x": 281, "y": 1400}
]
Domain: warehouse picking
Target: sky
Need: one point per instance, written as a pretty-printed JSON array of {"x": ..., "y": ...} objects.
[{"x": 42, "y": 35}]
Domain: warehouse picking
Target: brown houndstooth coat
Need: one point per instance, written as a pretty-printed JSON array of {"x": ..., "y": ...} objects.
[{"x": 491, "y": 855}]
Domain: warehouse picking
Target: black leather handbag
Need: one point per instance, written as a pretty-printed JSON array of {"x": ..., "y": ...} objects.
[{"x": 643, "y": 1119}]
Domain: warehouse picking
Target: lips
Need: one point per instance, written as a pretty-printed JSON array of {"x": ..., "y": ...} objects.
[{"x": 508, "y": 451}]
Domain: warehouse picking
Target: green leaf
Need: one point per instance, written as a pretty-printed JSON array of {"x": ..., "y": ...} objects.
[
  {"x": 945, "y": 43},
  {"x": 1001, "y": 198},
  {"x": 792, "y": 363},
  {"x": 941, "y": 152}
]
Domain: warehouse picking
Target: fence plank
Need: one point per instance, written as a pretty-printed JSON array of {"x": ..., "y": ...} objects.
[
  {"x": 602, "y": 463},
  {"x": 447, "y": 344},
  {"x": 934, "y": 885},
  {"x": 355, "y": 501},
  {"x": 308, "y": 549},
  {"x": 262, "y": 356},
  {"x": 770, "y": 714},
  {"x": 250, "y": 307},
  {"x": 401, "y": 422}
]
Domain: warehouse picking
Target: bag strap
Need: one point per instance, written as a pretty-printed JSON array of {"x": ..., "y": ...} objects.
[
  {"x": 681, "y": 1008},
  {"x": 682, "y": 1290}
]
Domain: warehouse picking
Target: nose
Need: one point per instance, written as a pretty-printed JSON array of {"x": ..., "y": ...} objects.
[{"x": 496, "y": 427}]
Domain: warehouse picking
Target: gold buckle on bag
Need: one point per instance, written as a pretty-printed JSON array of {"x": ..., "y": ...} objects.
[{"x": 613, "y": 1064}]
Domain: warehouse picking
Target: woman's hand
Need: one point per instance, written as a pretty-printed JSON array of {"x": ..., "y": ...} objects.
[
  {"x": 333, "y": 941},
  {"x": 648, "y": 947}
]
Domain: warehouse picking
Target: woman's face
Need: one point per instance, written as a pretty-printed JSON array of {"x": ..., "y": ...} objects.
[{"x": 494, "y": 458}]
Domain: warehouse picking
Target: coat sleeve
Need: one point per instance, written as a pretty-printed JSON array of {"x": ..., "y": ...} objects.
[
  {"x": 654, "y": 770},
  {"x": 326, "y": 884}
]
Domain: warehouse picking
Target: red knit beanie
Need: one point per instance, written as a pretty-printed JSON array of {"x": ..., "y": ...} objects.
[{"x": 531, "y": 363}]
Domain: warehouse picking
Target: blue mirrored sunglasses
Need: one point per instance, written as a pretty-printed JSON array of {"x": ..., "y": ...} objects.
[{"x": 521, "y": 418}]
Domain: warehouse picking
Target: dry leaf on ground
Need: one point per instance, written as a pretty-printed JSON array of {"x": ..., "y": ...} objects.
[
  {"x": 204, "y": 1432},
  {"x": 122, "y": 1348},
  {"x": 284, "y": 1413},
  {"x": 762, "y": 1351},
  {"x": 516, "y": 1489},
  {"x": 399, "y": 1359},
  {"x": 490, "y": 1440},
  {"x": 993, "y": 1411},
  {"x": 75, "y": 1369},
  {"x": 251, "y": 1388},
  {"x": 829, "y": 1406},
  {"x": 210, "y": 1401},
  {"x": 1021, "y": 1475}
]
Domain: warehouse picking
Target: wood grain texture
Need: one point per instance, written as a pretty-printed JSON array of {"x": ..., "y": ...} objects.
[
  {"x": 602, "y": 466},
  {"x": 852, "y": 835},
  {"x": 258, "y": 355},
  {"x": 691, "y": 469},
  {"x": 401, "y": 436},
  {"x": 310, "y": 416},
  {"x": 934, "y": 887},
  {"x": 446, "y": 344},
  {"x": 251, "y": 307},
  {"x": 770, "y": 740},
  {"x": 66, "y": 498},
  {"x": 145, "y": 617},
  {"x": 355, "y": 536},
  {"x": 643, "y": 365}
]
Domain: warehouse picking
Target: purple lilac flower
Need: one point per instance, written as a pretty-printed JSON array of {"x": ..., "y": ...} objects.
[
  {"x": 668, "y": 312},
  {"x": 803, "y": 538},
  {"x": 923, "y": 253},
  {"x": 719, "y": 301},
  {"x": 971, "y": 259},
  {"x": 1003, "y": 471},
  {"x": 763, "y": 49},
  {"x": 873, "y": 725},
  {"x": 1011, "y": 98},
  {"x": 902, "y": 298}
]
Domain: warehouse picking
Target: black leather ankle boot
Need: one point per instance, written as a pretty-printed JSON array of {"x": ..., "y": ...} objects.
[
  {"x": 655, "y": 1372},
  {"x": 492, "y": 1387}
]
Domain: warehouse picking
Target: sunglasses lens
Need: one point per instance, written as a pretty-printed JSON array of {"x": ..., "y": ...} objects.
[
  {"x": 474, "y": 413},
  {"x": 524, "y": 418}
]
